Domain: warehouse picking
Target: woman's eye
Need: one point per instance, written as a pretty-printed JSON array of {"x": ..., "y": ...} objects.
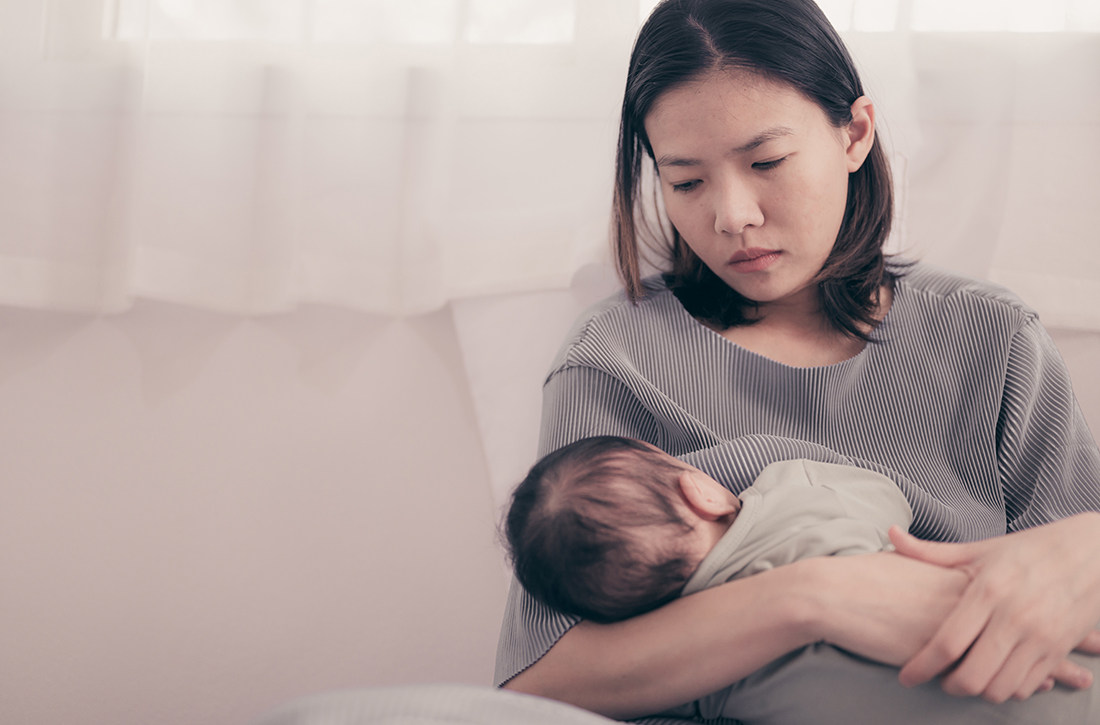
[
  {"x": 768, "y": 165},
  {"x": 685, "y": 186}
]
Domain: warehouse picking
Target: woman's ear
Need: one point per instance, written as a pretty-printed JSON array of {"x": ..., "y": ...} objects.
[
  {"x": 860, "y": 133},
  {"x": 706, "y": 497}
]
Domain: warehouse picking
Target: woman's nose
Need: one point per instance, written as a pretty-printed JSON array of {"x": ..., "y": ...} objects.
[{"x": 736, "y": 208}]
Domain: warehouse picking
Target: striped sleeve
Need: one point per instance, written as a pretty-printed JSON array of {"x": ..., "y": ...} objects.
[
  {"x": 1048, "y": 463},
  {"x": 578, "y": 402}
]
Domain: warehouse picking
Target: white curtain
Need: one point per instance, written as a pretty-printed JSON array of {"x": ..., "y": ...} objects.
[
  {"x": 393, "y": 155},
  {"x": 248, "y": 155},
  {"x": 992, "y": 110}
]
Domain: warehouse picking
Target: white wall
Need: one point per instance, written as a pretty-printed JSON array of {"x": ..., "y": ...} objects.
[{"x": 202, "y": 516}]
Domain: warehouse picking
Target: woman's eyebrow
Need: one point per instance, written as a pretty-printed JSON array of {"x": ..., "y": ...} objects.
[
  {"x": 670, "y": 160},
  {"x": 763, "y": 137},
  {"x": 756, "y": 141}
]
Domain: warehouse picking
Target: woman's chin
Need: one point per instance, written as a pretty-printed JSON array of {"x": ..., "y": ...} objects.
[{"x": 764, "y": 295}]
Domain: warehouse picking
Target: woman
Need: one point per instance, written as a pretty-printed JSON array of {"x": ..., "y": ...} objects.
[{"x": 779, "y": 325}]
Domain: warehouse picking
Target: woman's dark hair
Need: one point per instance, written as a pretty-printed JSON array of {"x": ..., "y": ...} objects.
[
  {"x": 785, "y": 41},
  {"x": 582, "y": 532}
]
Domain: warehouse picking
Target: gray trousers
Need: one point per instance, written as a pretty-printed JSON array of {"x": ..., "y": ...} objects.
[{"x": 823, "y": 685}]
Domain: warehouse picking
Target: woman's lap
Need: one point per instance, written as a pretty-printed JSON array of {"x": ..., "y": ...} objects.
[{"x": 823, "y": 685}]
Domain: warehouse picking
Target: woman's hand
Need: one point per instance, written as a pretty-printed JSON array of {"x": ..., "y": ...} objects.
[{"x": 1032, "y": 597}]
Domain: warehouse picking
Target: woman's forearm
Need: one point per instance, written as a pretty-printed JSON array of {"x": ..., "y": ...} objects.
[
  {"x": 686, "y": 649},
  {"x": 882, "y": 606}
]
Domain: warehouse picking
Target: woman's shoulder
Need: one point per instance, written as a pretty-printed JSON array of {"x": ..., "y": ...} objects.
[
  {"x": 933, "y": 290},
  {"x": 615, "y": 319}
]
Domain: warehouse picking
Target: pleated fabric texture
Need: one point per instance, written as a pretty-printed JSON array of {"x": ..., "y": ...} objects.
[{"x": 961, "y": 398}]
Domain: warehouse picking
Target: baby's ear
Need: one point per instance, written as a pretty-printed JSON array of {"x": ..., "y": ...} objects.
[{"x": 709, "y": 499}]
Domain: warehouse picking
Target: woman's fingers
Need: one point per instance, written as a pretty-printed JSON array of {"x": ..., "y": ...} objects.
[
  {"x": 931, "y": 552},
  {"x": 1072, "y": 675},
  {"x": 997, "y": 665},
  {"x": 1031, "y": 597},
  {"x": 1038, "y": 680},
  {"x": 1020, "y": 676},
  {"x": 946, "y": 647},
  {"x": 968, "y": 655},
  {"x": 1090, "y": 645},
  {"x": 960, "y": 632}
]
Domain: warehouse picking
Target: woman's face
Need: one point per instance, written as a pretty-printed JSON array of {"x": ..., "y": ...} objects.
[{"x": 755, "y": 179}]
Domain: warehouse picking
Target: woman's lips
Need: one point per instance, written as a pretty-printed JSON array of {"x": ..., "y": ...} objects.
[{"x": 753, "y": 260}]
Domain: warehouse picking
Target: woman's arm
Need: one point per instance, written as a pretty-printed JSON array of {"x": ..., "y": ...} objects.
[
  {"x": 1035, "y": 594},
  {"x": 882, "y": 606},
  {"x": 678, "y": 653}
]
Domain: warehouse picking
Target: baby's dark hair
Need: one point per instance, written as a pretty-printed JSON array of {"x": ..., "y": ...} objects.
[{"x": 582, "y": 529}]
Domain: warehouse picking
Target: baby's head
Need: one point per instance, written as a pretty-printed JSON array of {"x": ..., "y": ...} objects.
[{"x": 608, "y": 528}]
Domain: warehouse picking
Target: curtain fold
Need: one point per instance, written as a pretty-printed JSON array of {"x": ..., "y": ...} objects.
[{"x": 390, "y": 157}]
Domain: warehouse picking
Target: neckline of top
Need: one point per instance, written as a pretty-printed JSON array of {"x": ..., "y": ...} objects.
[{"x": 877, "y": 337}]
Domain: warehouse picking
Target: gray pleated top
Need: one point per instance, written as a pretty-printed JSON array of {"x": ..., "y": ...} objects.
[{"x": 961, "y": 399}]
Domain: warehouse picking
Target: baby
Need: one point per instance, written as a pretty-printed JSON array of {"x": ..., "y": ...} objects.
[{"x": 608, "y": 528}]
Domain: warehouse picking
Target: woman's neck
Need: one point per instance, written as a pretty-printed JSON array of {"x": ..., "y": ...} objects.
[{"x": 796, "y": 332}]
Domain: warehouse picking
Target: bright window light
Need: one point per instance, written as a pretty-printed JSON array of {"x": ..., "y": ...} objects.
[
  {"x": 385, "y": 21},
  {"x": 529, "y": 22},
  {"x": 978, "y": 16},
  {"x": 645, "y": 7},
  {"x": 517, "y": 22},
  {"x": 207, "y": 20},
  {"x": 839, "y": 12},
  {"x": 967, "y": 16}
]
